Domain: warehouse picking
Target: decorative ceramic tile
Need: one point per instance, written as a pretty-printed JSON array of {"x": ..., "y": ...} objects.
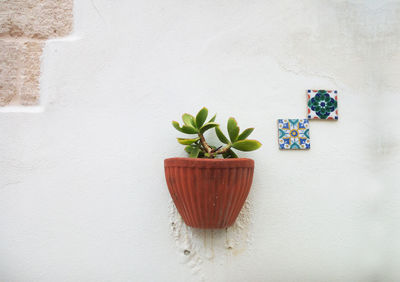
[
  {"x": 322, "y": 104},
  {"x": 294, "y": 134}
]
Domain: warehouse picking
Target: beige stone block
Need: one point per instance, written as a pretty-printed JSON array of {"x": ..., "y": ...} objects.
[
  {"x": 9, "y": 67},
  {"x": 39, "y": 19},
  {"x": 24, "y": 27},
  {"x": 30, "y": 72},
  {"x": 20, "y": 71}
]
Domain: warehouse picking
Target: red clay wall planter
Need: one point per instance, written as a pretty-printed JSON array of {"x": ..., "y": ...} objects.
[{"x": 209, "y": 193}]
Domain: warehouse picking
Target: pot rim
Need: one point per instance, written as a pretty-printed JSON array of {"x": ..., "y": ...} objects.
[{"x": 209, "y": 163}]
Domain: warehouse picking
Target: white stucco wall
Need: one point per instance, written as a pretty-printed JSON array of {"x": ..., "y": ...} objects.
[{"x": 82, "y": 189}]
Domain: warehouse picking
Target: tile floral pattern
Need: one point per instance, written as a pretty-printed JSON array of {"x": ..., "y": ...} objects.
[
  {"x": 322, "y": 104},
  {"x": 294, "y": 134}
]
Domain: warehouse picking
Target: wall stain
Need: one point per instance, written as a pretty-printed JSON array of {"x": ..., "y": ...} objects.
[{"x": 198, "y": 248}]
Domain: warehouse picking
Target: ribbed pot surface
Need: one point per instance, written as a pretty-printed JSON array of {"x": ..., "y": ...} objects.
[{"x": 209, "y": 193}]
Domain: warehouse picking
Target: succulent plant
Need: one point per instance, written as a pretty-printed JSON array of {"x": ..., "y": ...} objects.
[{"x": 197, "y": 147}]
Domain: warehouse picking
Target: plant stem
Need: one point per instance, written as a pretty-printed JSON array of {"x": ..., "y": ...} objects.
[
  {"x": 209, "y": 150},
  {"x": 204, "y": 143},
  {"x": 224, "y": 149}
]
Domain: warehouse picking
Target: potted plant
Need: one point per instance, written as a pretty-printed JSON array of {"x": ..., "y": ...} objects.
[{"x": 209, "y": 191}]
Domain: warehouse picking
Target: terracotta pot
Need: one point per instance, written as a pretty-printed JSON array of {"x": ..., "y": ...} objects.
[{"x": 209, "y": 193}]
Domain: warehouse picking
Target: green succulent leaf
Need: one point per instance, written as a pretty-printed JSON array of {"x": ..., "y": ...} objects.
[
  {"x": 208, "y": 126},
  {"x": 233, "y": 154},
  {"x": 189, "y": 120},
  {"x": 201, "y": 117},
  {"x": 233, "y": 129},
  {"x": 176, "y": 125},
  {"x": 207, "y": 155},
  {"x": 189, "y": 129},
  {"x": 194, "y": 152},
  {"x": 187, "y": 141},
  {"x": 184, "y": 129},
  {"x": 230, "y": 155},
  {"x": 221, "y": 135},
  {"x": 245, "y": 134},
  {"x": 226, "y": 155},
  {"x": 188, "y": 149},
  {"x": 246, "y": 145},
  {"x": 213, "y": 118}
]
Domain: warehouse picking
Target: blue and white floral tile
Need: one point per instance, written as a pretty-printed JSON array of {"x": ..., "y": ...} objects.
[
  {"x": 322, "y": 104},
  {"x": 293, "y": 134}
]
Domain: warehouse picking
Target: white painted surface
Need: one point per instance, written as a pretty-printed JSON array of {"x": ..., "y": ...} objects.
[{"x": 82, "y": 189}]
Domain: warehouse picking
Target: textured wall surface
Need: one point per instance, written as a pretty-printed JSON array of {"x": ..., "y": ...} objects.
[
  {"x": 24, "y": 27},
  {"x": 82, "y": 189}
]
